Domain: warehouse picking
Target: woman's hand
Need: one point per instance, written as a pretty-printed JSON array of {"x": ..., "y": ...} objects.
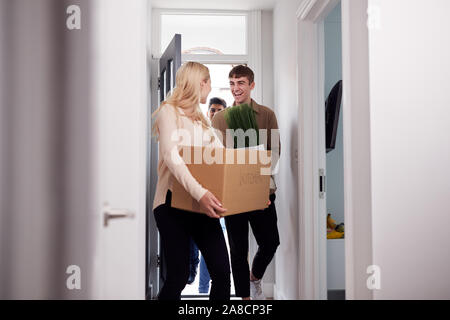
[{"x": 210, "y": 205}]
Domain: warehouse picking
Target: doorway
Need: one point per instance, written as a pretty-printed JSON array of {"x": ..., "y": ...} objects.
[
  {"x": 334, "y": 155},
  {"x": 195, "y": 43},
  {"x": 356, "y": 147}
]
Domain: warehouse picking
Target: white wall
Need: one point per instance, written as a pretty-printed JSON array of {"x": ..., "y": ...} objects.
[
  {"x": 286, "y": 108},
  {"x": 267, "y": 57},
  {"x": 410, "y": 117}
]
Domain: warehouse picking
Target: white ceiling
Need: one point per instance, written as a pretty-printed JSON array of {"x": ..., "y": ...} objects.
[{"x": 214, "y": 4}]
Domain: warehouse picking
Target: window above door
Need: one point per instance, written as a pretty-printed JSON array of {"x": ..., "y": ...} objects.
[
  {"x": 207, "y": 36},
  {"x": 205, "y": 33}
]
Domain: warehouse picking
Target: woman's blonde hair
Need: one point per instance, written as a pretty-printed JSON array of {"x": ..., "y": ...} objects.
[{"x": 186, "y": 94}]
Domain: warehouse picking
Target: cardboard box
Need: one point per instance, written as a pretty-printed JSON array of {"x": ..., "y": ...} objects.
[{"x": 239, "y": 178}]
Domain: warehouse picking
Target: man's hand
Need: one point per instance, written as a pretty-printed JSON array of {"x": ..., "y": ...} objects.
[{"x": 210, "y": 205}]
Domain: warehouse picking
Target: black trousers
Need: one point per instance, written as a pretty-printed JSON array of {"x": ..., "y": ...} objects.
[
  {"x": 176, "y": 228},
  {"x": 265, "y": 230}
]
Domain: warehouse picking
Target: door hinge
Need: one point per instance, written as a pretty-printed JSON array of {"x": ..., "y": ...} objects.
[
  {"x": 159, "y": 83},
  {"x": 322, "y": 184}
]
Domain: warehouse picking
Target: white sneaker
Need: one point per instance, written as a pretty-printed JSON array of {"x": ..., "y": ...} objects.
[{"x": 256, "y": 292}]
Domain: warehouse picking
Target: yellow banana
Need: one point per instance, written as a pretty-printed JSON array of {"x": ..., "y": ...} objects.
[{"x": 335, "y": 235}]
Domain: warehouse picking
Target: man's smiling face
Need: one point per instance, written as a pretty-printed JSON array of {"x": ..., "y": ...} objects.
[{"x": 241, "y": 89}]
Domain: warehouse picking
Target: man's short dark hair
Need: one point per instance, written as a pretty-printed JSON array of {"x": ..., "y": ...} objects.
[
  {"x": 242, "y": 71},
  {"x": 216, "y": 100}
]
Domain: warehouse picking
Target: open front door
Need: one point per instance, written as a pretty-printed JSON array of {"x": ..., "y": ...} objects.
[{"x": 169, "y": 63}]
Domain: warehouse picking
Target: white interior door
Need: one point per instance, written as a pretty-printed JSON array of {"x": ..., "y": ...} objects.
[{"x": 120, "y": 128}]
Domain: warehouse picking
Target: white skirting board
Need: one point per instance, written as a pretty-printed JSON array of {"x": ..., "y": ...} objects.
[
  {"x": 277, "y": 295},
  {"x": 268, "y": 289}
]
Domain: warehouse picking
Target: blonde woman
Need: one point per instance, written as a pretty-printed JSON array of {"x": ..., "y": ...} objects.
[{"x": 182, "y": 111}]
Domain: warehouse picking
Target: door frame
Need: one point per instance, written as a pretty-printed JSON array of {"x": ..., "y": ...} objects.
[{"x": 356, "y": 136}]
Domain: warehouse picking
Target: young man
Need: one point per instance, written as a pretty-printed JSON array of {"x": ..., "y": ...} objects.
[
  {"x": 216, "y": 105},
  {"x": 263, "y": 223}
]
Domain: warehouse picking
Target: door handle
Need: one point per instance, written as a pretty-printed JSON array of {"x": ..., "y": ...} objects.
[{"x": 111, "y": 213}]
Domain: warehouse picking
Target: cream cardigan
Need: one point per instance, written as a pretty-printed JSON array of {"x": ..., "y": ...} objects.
[{"x": 173, "y": 132}]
